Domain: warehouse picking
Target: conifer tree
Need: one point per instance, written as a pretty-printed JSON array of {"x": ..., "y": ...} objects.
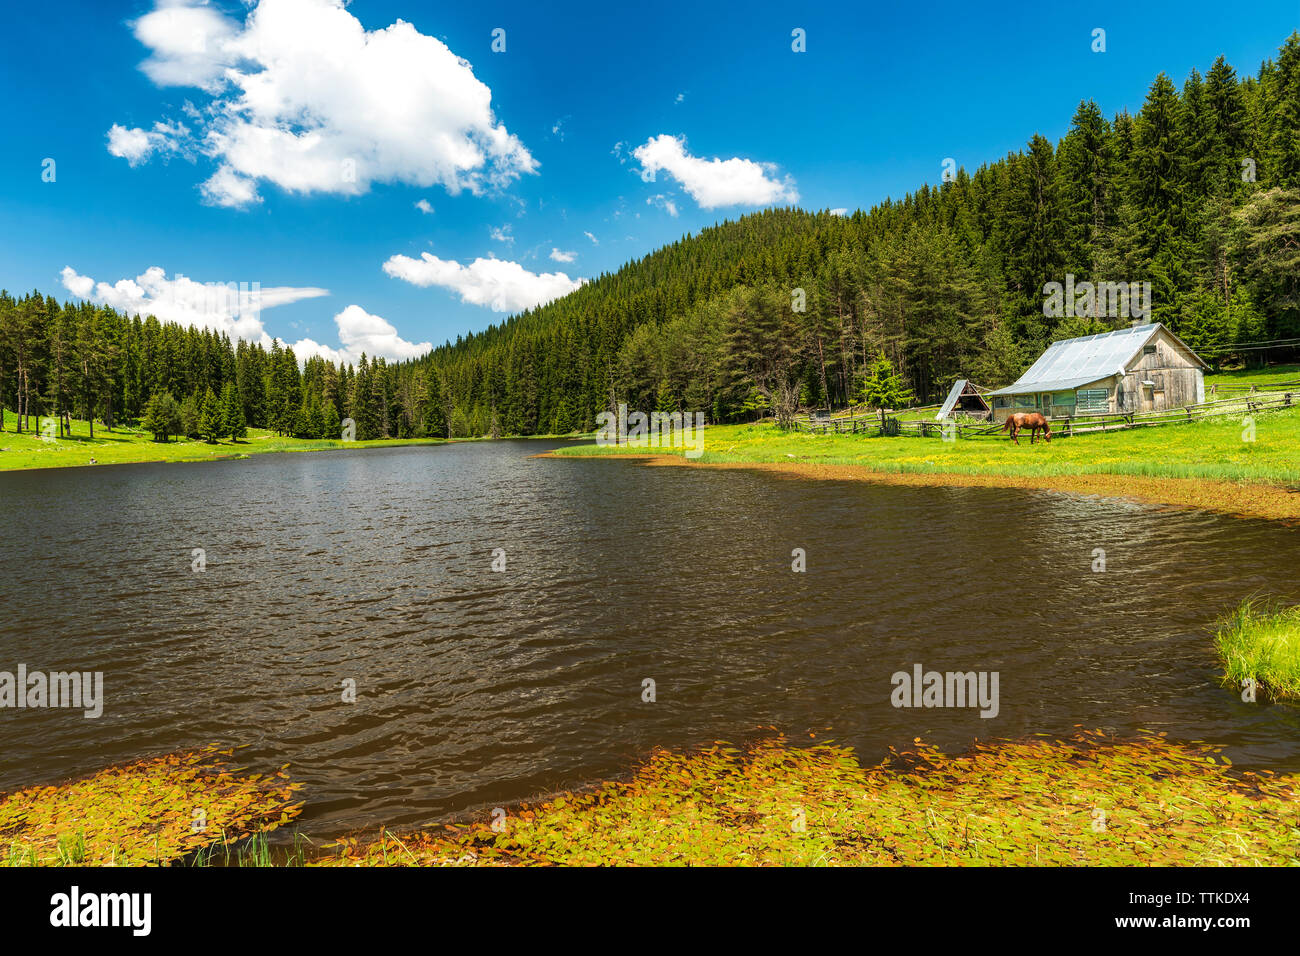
[
  {"x": 211, "y": 420},
  {"x": 233, "y": 424},
  {"x": 163, "y": 416}
]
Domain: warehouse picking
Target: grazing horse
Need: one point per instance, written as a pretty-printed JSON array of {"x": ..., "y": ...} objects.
[{"x": 1031, "y": 420}]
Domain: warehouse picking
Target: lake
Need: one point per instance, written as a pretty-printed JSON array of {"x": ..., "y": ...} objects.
[{"x": 476, "y": 688}]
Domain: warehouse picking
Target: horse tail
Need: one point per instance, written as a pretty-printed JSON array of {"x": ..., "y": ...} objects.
[{"x": 1006, "y": 423}]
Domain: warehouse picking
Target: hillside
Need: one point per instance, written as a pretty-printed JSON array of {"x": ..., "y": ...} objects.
[{"x": 1198, "y": 195}]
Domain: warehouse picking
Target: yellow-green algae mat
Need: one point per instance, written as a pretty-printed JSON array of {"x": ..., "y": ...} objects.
[
  {"x": 148, "y": 812},
  {"x": 1089, "y": 800}
]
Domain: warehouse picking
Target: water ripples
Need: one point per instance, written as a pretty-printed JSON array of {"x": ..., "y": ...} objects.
[{"x": 477, "y": 688}]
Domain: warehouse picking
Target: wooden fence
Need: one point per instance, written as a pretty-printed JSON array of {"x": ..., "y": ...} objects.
[
  {"x": 1267, "y": 387},
  {"x": 885, "y": 423}
]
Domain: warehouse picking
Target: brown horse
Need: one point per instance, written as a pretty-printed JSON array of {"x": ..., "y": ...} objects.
[{"x": 1031, "y": 420}]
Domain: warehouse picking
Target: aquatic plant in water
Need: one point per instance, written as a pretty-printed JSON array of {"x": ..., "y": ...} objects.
[{"x": 148, "y": 812}]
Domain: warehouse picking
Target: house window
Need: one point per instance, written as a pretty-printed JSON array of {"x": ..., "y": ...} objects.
[
  {"x": 1093, "y": 401},
  {"x": 1148, "y": 350},
  {"x": 1025, "y": 401},
  {"x": 1002, "y": 402},
  {"x": 1063, "y": 398}
]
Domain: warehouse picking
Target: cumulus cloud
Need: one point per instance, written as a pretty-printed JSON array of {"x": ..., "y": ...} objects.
[
  {"x": 235, "y": 310},
  {"x": 502, "y": 234},
  {"x": 499, "y": 284},
  {"x": 424, "y": 206},
  {"x": 190, "y": 44},
  {"x": 361, "y": 332},
  {"x": 228, "y": 307},
  {"x": 840, "y": 211},
  {"x": 305, "y": 98},
  {"x": 135, "y": 145},
  {"x": 714, "y": 182},
  {"x": 560, "y": 255}
]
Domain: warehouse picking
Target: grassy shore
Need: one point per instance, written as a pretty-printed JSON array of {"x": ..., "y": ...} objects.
[
  {"x": 125, "y": 445},
  {"x": 1090, "y": 800},
  {"x": 1261, "y": 643},
  {"x": 1205, "y": 464}
]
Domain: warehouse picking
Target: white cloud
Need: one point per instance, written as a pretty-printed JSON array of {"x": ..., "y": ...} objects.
[
  {"x": 714, "y": 182},
  {"x": 304, "y": 97},
  {"x": 227, "y": 188},
  {"x": 501, "y": 285},
  {"x": 134, "y": 145},
  {"x": 223, "y": 307},
  {"x": 360, "y": 331},
  {"x": 501, "y": 233},
  {"x": 840, "y": 211},
  {"x": 559, "y": 255},
  {"x": 236, "y": 311},
  {"x": 424, "y": 206},
  {"x": 594, "y": 240},
  {"x": 190, "y": 44},
  {"x": 78, "y": 285},
  {"x": 664, "y": 203}
]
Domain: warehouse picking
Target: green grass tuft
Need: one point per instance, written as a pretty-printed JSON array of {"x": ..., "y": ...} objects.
[{"x": 1261, "y": 642}]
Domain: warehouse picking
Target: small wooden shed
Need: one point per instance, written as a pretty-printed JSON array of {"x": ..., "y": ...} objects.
[
  {"x": 1145, "y": 368},
  {"x": 966, "y": 399}
]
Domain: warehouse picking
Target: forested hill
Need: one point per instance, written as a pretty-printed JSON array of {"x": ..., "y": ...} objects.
[{"x": 1198, "y": 194}]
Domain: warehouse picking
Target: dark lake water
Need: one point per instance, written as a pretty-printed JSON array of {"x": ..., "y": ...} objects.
[{"x": 477, "y": 688}]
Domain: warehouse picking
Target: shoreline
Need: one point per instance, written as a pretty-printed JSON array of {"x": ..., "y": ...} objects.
[
  {"x": 230, "y": 451},
  {"x": 1238, "y": 499},
  {"x": 769, "y": 802},
  {"x": 176, "y": 452}
]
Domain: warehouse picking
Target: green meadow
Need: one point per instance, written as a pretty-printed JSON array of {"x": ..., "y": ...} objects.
[
  {"x": 1272, "y": 375},
  {"x": 1219, "y": 449},
  {"x": 129, "y": 444}
]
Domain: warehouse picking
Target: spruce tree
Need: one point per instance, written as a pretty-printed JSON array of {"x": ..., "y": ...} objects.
[
  {"x": 211, "y": 420},
  {"x": 233, "y": 424}
]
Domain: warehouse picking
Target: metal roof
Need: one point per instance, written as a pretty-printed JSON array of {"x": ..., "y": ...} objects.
[
  {"x": 951, "y": 400},
  {"x": 1072, "y": 363},
  {"x": 963, "y": 388}
]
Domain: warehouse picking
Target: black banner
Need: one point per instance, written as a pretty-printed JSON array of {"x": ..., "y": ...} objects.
[{"x": 143, "y": 906}]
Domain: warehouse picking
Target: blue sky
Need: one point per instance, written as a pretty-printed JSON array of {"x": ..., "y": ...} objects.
[{"x": 230, "y": 137}]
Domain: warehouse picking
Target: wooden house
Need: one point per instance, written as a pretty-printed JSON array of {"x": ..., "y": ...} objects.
[{"x": 1145, "y": 368}]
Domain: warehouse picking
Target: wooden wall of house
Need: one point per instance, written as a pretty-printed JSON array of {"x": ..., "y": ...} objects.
[
  {"x": 1177, "y": 376},
  {"x": 1173, "y": 388}
]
